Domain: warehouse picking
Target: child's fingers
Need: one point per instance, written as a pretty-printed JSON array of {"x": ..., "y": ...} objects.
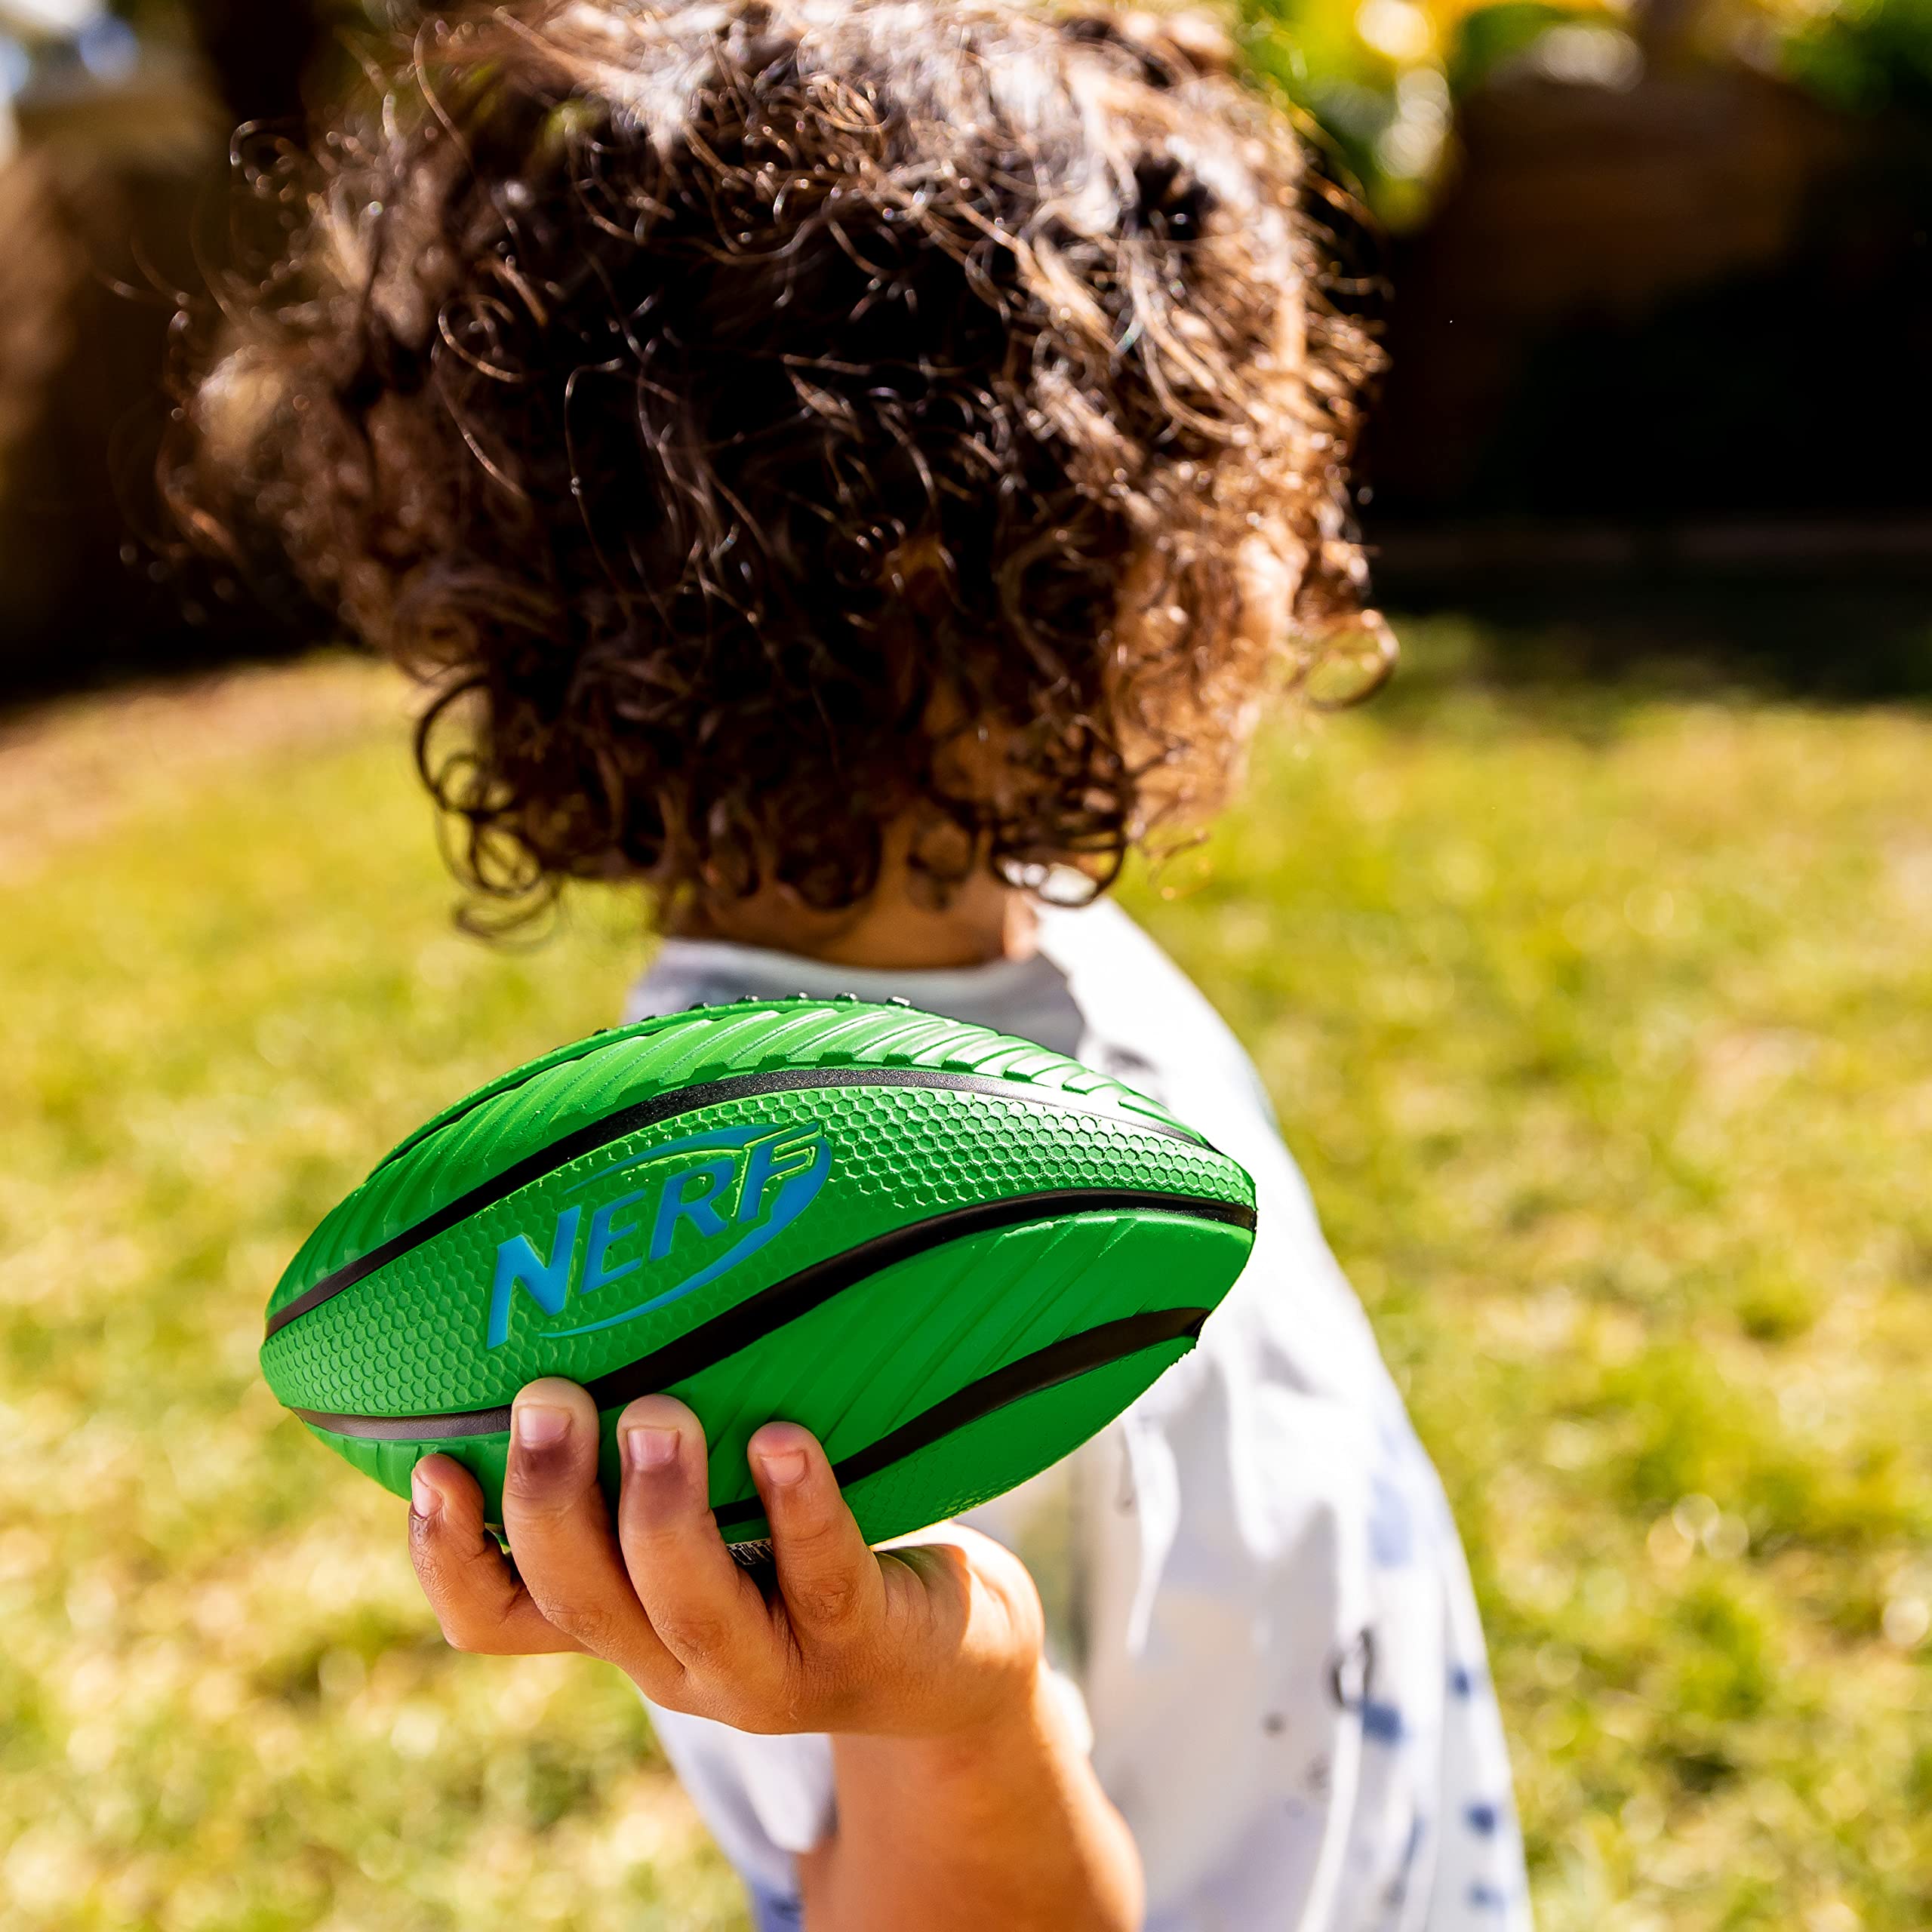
[
  {"x": 560, "y": 1533},
  {"x": 479, "y": 1602},
  {"x": 706, "y": 1611},
  {"x": 828, "y": 1576}
]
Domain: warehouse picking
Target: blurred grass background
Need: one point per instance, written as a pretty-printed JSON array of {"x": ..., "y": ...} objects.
[{"x": 1600, "y": 1020}]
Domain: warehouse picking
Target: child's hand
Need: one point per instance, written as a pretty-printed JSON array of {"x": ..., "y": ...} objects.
[
  {"x": 926, "y": 1642},
  {"x": 963, "y": 1799}
]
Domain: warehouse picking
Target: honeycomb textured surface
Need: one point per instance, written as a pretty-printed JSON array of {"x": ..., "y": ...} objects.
[
  {"x": 413, "y": 1337},
  {"x": 473, "y": 1142}
]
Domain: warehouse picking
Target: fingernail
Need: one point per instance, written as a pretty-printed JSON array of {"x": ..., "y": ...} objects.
[
  {"x": 648, "y": 1449},
  {"x": 539, "y": 1428},
  {"x": 783, "y": 1466},
  {"x": 424, "y": 1497}
]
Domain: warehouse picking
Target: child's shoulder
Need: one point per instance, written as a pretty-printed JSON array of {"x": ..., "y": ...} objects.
[
  {"x": 1148, "y": 1023},
  {"x": 1293, "y": 1318}
]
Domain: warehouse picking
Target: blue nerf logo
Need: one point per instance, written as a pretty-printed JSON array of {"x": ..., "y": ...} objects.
[{"x": 735, "y": 1186}]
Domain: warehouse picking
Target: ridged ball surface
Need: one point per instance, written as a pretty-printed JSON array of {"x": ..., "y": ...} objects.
[
  {"x": 487, "y": 1130},
  {"x": 539, "y": 1227},
  {"x": 411, "y": 1338}
]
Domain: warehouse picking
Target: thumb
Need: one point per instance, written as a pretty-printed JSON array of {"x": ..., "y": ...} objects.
[{"x": 975, "y": 1585}]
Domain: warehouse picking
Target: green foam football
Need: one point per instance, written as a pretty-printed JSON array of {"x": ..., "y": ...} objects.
[{"x": 953, "y": 1255}]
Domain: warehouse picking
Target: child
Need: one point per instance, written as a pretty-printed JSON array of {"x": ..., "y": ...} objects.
[{"x": 856, "y": 467}]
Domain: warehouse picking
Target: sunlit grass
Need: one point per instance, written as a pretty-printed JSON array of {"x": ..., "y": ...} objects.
[
  {"x": 1603, "y": 1029},
  {"x": 221, "y": 1702},
  {"x": 1602, "y": 1026}
]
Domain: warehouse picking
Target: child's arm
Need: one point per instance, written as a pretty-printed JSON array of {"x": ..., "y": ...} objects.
[
  {"x": 1005, "y": 1826},
  {"x": 963, "y": 1799}
]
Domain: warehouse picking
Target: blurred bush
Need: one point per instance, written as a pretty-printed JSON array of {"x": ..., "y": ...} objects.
[
  {"x": 1385, "y": 79},
  {"x": 1663, "y": 290},
  {"x": 1381, "y": 78},
  {"x": 1864, "y": 56}
]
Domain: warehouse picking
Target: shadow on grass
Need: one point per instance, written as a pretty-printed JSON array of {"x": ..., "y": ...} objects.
[
  {"x": 1838, "y": 640},
  {"x": 1577, "y": 650}
]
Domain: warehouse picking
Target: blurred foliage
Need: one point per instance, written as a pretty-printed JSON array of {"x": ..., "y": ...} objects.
[
  {"x": 1863, "y": 56},
  {"x": 1602, "y": 1023},
  {"x": 1381, "y": 78}
]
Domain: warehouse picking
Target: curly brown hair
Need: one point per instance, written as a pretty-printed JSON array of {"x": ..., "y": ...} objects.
[{"x": 768, "y": 422}]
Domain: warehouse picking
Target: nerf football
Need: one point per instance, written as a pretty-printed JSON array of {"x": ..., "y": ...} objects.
[{"x": 953, "y": 1255}]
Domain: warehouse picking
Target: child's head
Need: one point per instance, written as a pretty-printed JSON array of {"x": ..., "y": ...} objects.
[{"x": 788, "y": 427}]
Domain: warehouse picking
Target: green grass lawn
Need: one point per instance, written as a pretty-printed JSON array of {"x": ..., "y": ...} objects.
[{"x": 1602, "y": 1023}]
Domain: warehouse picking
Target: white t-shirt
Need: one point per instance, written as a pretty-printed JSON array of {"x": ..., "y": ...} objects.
[{"x": 1252, "y": 1580}]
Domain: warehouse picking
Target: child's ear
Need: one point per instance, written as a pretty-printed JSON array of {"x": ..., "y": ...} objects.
[
  {"x": 1269, "y": 569},
  {"x": 1344, "y": 659}
]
